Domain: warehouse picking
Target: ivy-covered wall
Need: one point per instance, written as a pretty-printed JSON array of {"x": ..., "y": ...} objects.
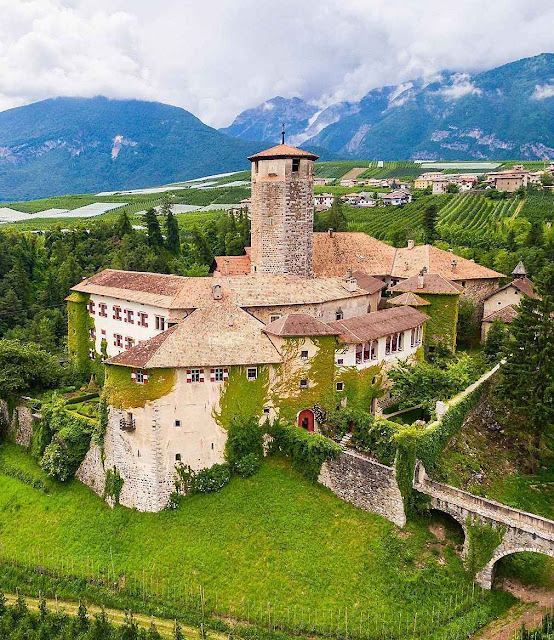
[
  {"x": 319, "y": 370},
  {"x": 482, "y": 540},
  {"x": 443, "y": 313},
  {"x": 122, "y": 393},
  {"x": 242, "y": 398},
  {"x": 78, "y": 324},
  {"x": 360, "y": 387}
]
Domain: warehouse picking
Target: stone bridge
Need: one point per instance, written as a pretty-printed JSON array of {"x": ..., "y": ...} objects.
[{"x": 523, "y": 531}]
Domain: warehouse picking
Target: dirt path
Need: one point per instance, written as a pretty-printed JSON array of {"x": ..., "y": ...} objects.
[
  {"x": 117, "y": 617},
  {"x": 534, "y": 603},
  {"x": 353, "y": 173},
  {"x": 518, "y": 209}
]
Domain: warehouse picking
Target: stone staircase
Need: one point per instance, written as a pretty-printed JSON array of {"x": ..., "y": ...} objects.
[{"x": 345, "y": 441}]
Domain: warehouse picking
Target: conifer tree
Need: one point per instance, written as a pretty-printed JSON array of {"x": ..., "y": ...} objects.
[
  {"x": 430, "y": 216},
  {"x": 153, "y": 231},
  {"x": 528, "y": 376},
  {"x": 123, "y": 225},
  {"x": 494, "y": 342},
  {"x": 172, "y": 241},
  {"x": 337, "y": 218}
]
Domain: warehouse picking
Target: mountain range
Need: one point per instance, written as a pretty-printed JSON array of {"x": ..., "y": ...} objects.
[
  {"x": 78, "y": 145},
  {"x": 503, "y": 113}
]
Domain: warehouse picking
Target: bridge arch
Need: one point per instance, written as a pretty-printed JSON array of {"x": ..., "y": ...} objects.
[{"x": 485, "y": 577}]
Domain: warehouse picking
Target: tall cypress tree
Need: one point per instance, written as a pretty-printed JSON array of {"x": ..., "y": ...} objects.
[
  {"x": 172, "y": 241},
  {"x": 336, "y": 219},
  {"x": 528, "y": 375},
  {"x": 430, "y": 216},
  {"x": 123, "y": 225},
  {"x": 153, "y": 231}
]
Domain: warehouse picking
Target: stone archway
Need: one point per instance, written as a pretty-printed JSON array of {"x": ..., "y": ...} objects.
[
  {"x": 485, "y": 577},
  {"x": 306, "y": 420}
]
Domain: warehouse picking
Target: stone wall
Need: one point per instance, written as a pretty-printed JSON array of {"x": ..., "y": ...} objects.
[
  {"x": 92, "y": 472},
  {"x": 365, "y": 483},
  {"x": 477, "y": 290},
  {"x": 20, "y": 422}
]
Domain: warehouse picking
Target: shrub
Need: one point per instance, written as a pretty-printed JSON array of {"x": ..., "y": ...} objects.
[
  {"x": 247, "y": 466},
  {"x": 212, "y": 479},
  {"x": 114, "y": 485},
  {"x": 244, "y": 438},
  {"x": 308, "y": 451}
]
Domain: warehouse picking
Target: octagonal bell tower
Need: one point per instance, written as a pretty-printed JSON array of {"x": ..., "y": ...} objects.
[{"x": 282, "y": 211}]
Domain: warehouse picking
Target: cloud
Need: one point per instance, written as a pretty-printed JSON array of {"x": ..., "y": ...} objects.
[
  {"x": 217, "y": 58},
  {"x": 461, "y": 86},
  {"x": 543, "y": 91}
]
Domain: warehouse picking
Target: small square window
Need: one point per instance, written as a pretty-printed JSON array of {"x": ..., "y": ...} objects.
[
  {"x": 304, "y": 383},
  {"x": 340, "y": 386},
  {"x": 195, "y": 375},
  {"x": 274, "y": 317},
  {"x": 339, "y": 315},
  {"x": 177, "y": 423},
  {"x": 340, "y": 361},
  {"x": 266, "y": 409},
  {"x": 218, "y": 374},
  {"x": 252, "y": 373},
  {"x": 177, "y": 457},
  {"x": 304, "y": 355}
]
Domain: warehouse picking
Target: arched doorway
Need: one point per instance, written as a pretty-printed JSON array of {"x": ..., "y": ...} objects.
[{"x": 306, "y": 420}]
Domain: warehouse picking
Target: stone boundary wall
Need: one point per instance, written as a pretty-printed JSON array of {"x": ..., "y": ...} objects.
[
  {"x": 20, "y": 423},
  {"x": 366, "y": 483},
  {"x": 92, "y": 472}
]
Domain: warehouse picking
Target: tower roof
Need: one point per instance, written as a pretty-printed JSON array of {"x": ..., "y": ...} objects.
[
  {"x": 282, "y": 151},
  {"x": 519, "y": 269},
  {"x": 410, "y": 299}
]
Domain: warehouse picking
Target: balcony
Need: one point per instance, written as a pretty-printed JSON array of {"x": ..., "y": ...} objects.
[{"x": 126, "y": 424}]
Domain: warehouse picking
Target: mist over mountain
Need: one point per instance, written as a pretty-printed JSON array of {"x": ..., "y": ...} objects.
[{"x": 504, "y": 113}]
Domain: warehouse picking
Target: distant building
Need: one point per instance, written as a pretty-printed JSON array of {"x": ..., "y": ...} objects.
[
  {"x": 324, "y": 200},
  {"x": 396, "y": 198},
  {"x": 509, "y": 181},
  {"x": 322, "y": 182}
]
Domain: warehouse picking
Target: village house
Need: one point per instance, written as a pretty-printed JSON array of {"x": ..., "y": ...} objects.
[
  {"x": 324, "y": 200},
  {"x": 396, "y": 198},
  {"x": 501, "y": 305},
  {"x": 322, "y": 182},
  {"x": 509, "y": 181}
]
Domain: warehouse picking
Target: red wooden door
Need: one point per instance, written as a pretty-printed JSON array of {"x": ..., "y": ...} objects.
[{"x": 306, "y": 419}]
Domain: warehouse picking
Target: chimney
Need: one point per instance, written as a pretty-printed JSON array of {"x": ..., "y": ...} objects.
[
  {"x": 350, "y": 283},
  {"x": 330, "y": 232},
  {"x": 420, "y": 280},
  {"x": 226, "y": 266},
  {"x": 453, "y": 264},
  {"x": 216, "y": 289},
  {"x": 411, "y": 244},
  {"x": 348, "y": 273}
]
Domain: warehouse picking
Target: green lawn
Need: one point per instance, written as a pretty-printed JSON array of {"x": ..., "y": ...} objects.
[{"x": 273, "y": 538}]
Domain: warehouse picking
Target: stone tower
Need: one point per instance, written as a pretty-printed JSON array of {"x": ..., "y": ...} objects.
[{"x": 282, "y": 211}]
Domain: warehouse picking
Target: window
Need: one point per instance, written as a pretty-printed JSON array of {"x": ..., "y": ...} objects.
[
  {"x": 117, "y": 340},
  {"x": 304, "y": 355},
  {"x": 366, "y": 351},
  {"x": 295, "y": 165},
  {"x": 139, "y": 376},
  {"x": 142, "y": 319},
  {"x": 129, "y": 342},
  {"x": 339, "y": 314},
  {"x": 340, "y": 361},
  {"x": 304, "y": 383},
  {"x": 177, "y": 457},
  {"x": 196, "y": 375},
  {"x": 129, "y": 316},
  {"x": 116, "y": 313},
  {"x": 91, "y": 307},
  {"x": 387, "y": 345},
  {"x": 374, "y": 349},
  {"x": 91, "y": 354},
  {"x": 103, "y": 332},
  {"x": 266, "y": 410},
  {"x": 103, "y": 310},
  {"x": 251, "y": 373},
  {"x": 177, "y": 423},
  {"x": 340, "y": 386},
  {"x": 400, "y": 341},
  {"x": 160, "y": 323},
  {"x": 274, "y": 317},
  {"x": 92, "y": 333}
]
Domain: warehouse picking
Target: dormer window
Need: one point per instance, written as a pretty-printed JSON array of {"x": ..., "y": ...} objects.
[{"x": 339, "y": 315}]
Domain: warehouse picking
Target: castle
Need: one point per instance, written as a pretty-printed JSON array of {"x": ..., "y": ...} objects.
[{"x": 296, "y": 326}]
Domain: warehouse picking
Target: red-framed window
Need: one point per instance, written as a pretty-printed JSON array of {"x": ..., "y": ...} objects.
[
  {"x": 129, "y": 316},
  {"x": 219, "y": 374},
  {"x": 117, "y": 340},
  {"x": 91, "y": 306},
  {"x": 129, "y": 342},
  {"x": 195, "y": 375},
  {"x": 142, "y": 319},
  {"x": 139, "y": 376},
  {"x": 102, "y": 309},
  {"x": 92, "y": 333},
  {"x": 116, "y": 312}
]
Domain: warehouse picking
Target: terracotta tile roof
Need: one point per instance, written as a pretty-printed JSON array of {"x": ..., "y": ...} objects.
[
  {"x": 378, "y": 324},
  {"x": 334, "y": 254},
  {"x": 409, "y": 262},
  {"x": 368, "y": 283},
  {"x": 432, "y": 283},
  {"x": 521, "y": 284},
  {"x": 283, "y": 151},
  {"x": 178, "y": 292},
  {"x": 220, "y": 334},
  {"x": 506, "y": 314},
  {"x": 409, "y": 298},
  {"x": 232, "y": 265},
  {"x": 299, "y": 324}
]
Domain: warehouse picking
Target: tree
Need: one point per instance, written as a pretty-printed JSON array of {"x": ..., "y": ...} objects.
[
  {"x": 494, "y": 343},
  {"x": 430, "y": 216},
  {"x": 123, "y": 226},
  {"x": 467, "y": 330},
  {"x": 172, "y": 241},
  {"x": 153, "y": 231},
  {"x": 535, "y": 237},
  {"x": 165, "y": 208},
  {"x": 336, "y": 218},
  {"x": 528, "y": 376},
  {"x": 547, "y": 180},
  {"x": 452, "y": 187},
  {"x": 25, "y": 366}
]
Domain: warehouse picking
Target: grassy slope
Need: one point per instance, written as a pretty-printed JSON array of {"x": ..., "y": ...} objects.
[{"x": 274, "y": 537}]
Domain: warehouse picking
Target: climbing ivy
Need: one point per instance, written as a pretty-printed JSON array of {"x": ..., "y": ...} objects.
[
  {"x": 407, "y": 440},
  {"x": 79, "y": 323},
  {"x": 318, "y": 370},
  {"x": 482, "y": 540},
  {"x": 440, "y": 330},
  {"x": 99, "y": 431},
  {"x": 360, "y": 387},
  {"x": 122, "y": 393},
  {"x": 242, "y": 398},
  {"x": 114, "y": 485}
]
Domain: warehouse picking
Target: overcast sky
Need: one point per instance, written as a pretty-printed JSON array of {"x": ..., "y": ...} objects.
[{"x": 218, "y": 57}]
